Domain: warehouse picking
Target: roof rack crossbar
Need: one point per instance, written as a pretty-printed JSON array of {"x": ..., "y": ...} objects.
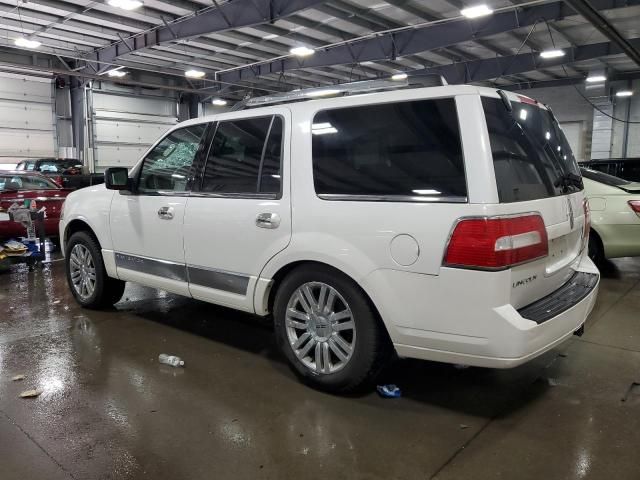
[{"x": 352, "y": 88}]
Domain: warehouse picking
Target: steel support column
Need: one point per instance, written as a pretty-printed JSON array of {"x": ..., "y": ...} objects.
[{"x": 78, "y": 116}]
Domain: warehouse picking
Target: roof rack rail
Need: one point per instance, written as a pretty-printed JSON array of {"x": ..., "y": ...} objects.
[{"x": 352, "y": 88}]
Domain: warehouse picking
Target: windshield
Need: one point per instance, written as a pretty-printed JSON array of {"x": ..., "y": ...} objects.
[
  {"x": 26, "y": 182},
  {"x": 531, "y": 155},
  {"x": 603, "y": 177}
]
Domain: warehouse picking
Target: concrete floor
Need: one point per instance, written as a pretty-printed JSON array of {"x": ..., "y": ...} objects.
[{"x": 109, "y": 410}]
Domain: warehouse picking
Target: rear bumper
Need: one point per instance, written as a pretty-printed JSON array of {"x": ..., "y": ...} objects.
[{"x": 468, "y": 332}]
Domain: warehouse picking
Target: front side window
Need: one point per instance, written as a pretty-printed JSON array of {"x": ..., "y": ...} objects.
[
  {"x": 168, "y": 165},
  {"x": 409, "y": 150},
  {"x": 26, "y": 182},
  {"x": 245, "y": 157}
]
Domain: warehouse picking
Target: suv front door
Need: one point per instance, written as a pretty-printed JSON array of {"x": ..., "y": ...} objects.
[
  {"x": 240, "y": 216},
  {"x": 146, "y": 226}
]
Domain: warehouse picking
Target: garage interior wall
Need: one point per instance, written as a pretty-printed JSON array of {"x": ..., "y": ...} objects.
[
  {"x": 35, "y": 120},
  {"x": 578, "y": 118},
  {"x": 627, "y": 108},
  {"x": 125, "y": 122},
  {"x": 27, "y": 122}
]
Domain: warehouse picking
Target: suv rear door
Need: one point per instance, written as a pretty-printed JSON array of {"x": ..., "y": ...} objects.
[
  {"x": 536, "y": 172},
  {"x": 239, "y": 215}
]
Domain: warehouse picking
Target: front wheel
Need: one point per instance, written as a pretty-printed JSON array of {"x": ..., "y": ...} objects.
[
  {"x": 86, "y": 275},
  {"x": 328, "y": 330}
]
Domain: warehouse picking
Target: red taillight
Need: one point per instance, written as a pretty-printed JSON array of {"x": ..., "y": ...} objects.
[
  {"x": 635, "y": 206},
  {"x": 496, "y": 243}
]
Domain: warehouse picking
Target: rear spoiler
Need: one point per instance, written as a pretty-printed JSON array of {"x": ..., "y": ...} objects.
[{"x": 630, "y": 188}]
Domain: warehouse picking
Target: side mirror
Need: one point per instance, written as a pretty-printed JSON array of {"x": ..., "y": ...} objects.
[{"x": 116, "y": 178}]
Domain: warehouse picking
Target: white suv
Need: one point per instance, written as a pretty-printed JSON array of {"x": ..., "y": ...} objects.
[{"x": 445, "y": 223}]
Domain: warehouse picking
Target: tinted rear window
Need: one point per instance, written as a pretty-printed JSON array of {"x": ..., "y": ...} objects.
[
  {"x": 410, "y": 150},
  {"x": 531, "y": 155}
]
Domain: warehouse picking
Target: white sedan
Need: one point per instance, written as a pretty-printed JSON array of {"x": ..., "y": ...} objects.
[{"x": 615, "y": 215}]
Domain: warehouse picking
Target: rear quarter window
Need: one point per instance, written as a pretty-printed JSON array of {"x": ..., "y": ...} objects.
[{"x": 399, "y": 151}]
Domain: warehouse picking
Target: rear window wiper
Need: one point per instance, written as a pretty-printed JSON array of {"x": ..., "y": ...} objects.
[{"x": 569, "y": 180}]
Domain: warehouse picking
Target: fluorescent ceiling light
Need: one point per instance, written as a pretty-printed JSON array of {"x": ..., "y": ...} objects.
[
  {"x": 399, "y": 76},
  {"x": 219, "y": 101},
  {"x": 302, "y": 51},
  {"x": 552, "y": 53},
  {"x": 523, "y": 114},
  {"x": 125, "y": 4},
  {"x": 427, "y": 192},
  {"x": 194, "y": 74},
  {"x": 596, "y": 79},
  {"x": 26, "y": 43},
  {"x": 322, "y": 93},
  {"x": 116, "y": 73},
  {"x": 476, "y": 11},
  {"x": 624, "y": 93},
  {"x": 270, "y": 37}
]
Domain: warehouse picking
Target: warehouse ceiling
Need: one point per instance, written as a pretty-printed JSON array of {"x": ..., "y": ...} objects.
[{"x": 243, "y": 46}]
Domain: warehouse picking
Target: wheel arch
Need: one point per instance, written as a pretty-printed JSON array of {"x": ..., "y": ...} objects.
[
  {"x": 284, "y": 270},
  {"x": 79, "y": 225}
]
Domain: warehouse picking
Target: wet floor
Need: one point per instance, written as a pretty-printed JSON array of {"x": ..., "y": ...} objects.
[{"x": 109, "y": 410}]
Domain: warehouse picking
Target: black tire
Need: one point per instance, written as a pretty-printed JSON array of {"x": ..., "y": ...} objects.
[
  {"x": 372, "y": 347},
  {"x": 107, "y": 290},
  {"x": 596, "y": 249}
]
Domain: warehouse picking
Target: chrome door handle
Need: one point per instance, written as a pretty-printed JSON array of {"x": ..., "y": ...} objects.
[
  {"x": 268, "y": 220},
  {"x": 165, "y": 213}
]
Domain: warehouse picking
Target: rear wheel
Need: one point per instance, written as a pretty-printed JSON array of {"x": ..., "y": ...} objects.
[
  {"x": 596, "y": 249},
  {"x": 86, "y": 274},
  {"x": 328, "y": 330}
]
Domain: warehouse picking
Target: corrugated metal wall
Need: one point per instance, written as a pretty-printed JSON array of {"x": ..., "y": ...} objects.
[
  {"x": 27, "y": 125},
  {"x": 125, "y": 126}
]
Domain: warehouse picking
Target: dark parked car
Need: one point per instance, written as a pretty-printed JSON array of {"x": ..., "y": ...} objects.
[
  {"x": 627, "y": 168},
  {"x": 66, "y": 172}
]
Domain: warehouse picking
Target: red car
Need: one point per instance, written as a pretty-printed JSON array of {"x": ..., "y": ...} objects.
[{"x": 16, "y": 187}]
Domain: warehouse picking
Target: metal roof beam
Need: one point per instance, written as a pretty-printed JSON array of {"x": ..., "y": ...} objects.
[
  {"x": 490, "y": 68},
  {"x": 237, "y": 14},
  {"x": 590, "y": 12},
  {"x": 561, "y": 82},
  {"x": 389, "y": 45}
]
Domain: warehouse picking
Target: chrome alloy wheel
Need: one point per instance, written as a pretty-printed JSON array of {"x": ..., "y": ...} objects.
[
  {"x": 82, "y": 270},
  {"x": 320, "y": 327}
]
